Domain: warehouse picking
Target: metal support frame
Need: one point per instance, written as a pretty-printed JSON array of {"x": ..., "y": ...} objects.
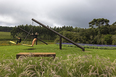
[{"x": 59, "y": 34}]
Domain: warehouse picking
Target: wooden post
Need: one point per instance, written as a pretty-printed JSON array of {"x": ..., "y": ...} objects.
[{"x": 60, "y": 42}]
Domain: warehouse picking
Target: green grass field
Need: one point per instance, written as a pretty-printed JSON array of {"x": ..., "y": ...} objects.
[
  {"x": 5, "y": 36},
  {"x": 91, "y": 63},
  {"x": 8, "y": 51},
  {"x": 12, "y": 50},
  {"x": 69, "y": 62}
]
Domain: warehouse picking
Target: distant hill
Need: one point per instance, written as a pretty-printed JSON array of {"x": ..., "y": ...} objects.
[{"x": 5, "y": 29}]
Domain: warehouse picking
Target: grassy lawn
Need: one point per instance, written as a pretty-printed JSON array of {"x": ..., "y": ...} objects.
[
  {"x": 5, "y": 36},
  {"x": 8, "y": 51},
  {"x": 69, "y": 62}
]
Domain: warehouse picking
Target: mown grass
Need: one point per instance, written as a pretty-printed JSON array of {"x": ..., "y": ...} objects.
[
  {"x": 12, "y": 50},
  {"x": 5, "y": 35}
]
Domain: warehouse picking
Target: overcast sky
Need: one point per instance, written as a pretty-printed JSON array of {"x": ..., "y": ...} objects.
[{"x": 76, "y": 13}]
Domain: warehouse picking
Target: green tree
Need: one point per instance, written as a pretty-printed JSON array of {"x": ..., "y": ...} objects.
[
  {"x": 113, "y": 29},
  {"x": 104, "y": 29},
  {"x": 98, "y": 22},
  {"x": 108, "y": 39},
  {"x": 114, "y": 23}
]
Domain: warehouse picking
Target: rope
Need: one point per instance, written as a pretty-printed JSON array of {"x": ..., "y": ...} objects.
[
  {"x": 27, "y": 34},
  {"x": 32, "y": 25}
]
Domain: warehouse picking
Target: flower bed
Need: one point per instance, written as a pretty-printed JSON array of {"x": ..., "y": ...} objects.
[{"x": 92, "y": 46}]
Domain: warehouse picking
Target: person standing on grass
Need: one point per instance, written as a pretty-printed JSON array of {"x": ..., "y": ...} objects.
[
  {"x": 35, "y": 38},
  {"x": 19, "y": 40}
]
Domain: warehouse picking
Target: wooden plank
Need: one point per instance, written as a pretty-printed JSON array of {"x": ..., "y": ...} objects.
[{"x": 36, "y": 54}]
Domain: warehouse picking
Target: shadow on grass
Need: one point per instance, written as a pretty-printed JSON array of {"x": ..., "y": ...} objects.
[{"x": 30, "y": 49}]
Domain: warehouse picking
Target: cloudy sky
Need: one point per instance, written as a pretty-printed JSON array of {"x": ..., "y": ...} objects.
[{"x": 76, "y": 13}]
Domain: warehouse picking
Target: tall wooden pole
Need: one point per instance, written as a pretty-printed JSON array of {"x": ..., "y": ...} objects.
[
  {"x": 59, "y": 34},
  {"x": 60, "y": 42}
]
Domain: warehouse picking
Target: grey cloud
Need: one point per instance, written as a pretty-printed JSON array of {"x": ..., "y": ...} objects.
[{"x": 77, "y": 13}]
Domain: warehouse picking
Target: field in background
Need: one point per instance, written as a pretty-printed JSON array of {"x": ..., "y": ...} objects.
[{"x": 5, "y": 36}]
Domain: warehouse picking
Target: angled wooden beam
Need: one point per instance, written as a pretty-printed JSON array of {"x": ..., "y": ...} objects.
[
  {"x": 42, "y": 41},
  {"x": 23, "y": 30},
  {"x": 59, "y": 34}
]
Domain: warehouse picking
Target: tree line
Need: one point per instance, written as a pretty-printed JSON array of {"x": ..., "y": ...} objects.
[
  {"x": 99, "y": 32},
  {"x": 5, "y": 29}
]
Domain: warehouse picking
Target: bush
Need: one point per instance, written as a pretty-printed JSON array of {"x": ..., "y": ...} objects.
[{"x": 71, "y": 35}]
